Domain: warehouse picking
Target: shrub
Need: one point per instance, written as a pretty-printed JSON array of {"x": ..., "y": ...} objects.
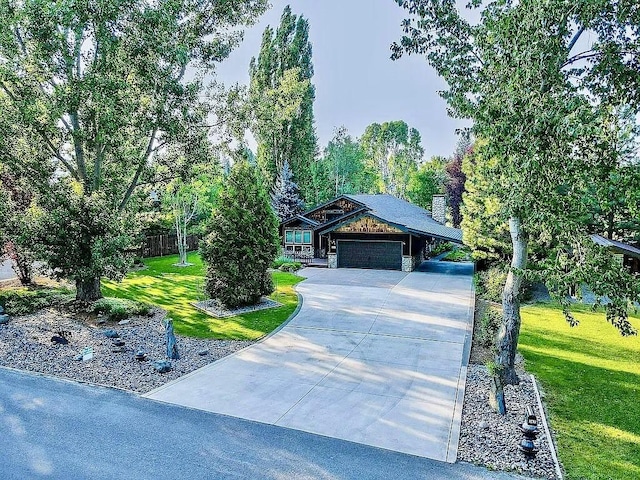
[
  {"x": 441, "y": 248},
  {"x": 458, "y": 255},
  {"x": 489, "y": 325},
  {"x": 489, "y": 283},
  {"x": 291, "y": 267},
  {"x": 23, "y": 301},
  {"x": 281, "y": 260},
  {"x": 119, "y": 308}
]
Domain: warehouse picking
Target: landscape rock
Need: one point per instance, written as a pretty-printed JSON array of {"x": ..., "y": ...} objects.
[
  {"x": 124, "y": 322},
  {"x": 140, "y": 355},
  {"x": 4, "y": 319},
  {"x": 59, "y": 340},
  {"x": 111, "y": 334},
  {"x": 172, "y": 345},
  {"x": 203, "y": 352},
  {"x": 162, "y": 366},
  {"x": 1, "y": 309},
  {"x": 78, "y": 357}
]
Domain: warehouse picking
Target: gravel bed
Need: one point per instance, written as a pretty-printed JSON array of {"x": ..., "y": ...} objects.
[
  {"x": 25, "y": 343},
  {"x": 214, "y": 308},
  {"x": 491, "y": 440}
]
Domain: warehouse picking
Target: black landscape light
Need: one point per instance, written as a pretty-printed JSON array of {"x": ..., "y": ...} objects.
[
  {"x": 530, "y": 425},
  {"x": 528, "y": 448},
  {"x": 530, "y": 431}
]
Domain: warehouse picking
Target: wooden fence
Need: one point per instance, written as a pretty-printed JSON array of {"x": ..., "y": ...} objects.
[{"x": 161, "y": 245}]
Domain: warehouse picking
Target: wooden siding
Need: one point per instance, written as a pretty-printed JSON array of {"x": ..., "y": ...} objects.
[
  {"x": 367, "y": 225},
  {"x": 334, "y": 210}
]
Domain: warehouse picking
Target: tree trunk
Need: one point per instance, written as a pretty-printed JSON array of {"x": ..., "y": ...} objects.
[
  {"x": 507, "y": 341},
  {"x": 88, "y": 289}
]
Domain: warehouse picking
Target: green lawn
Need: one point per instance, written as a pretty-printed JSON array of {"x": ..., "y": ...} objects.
[
  {"x": 175, "y": 288},
  {"x": 591, "y": 376}
]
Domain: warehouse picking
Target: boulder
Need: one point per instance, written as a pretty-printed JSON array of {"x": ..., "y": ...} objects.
[
  {"x": 111, "y": 334},
  {"x": 203, "y": 352},
  {"x": 59, "y": 340},
  {"x": 4, "y": 319},
  {"x": 162, "y": 366},
  {"x": 1, "y": 309}
]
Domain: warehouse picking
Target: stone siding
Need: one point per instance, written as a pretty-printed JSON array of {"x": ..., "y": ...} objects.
[
  {"x": 409, "y": 263},
  {"x": 332, "y": 260}
]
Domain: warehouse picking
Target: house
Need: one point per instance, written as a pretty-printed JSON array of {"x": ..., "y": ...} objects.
[
  {"x": 629, "y": 255},
  {"x": 367, "y": 231}
]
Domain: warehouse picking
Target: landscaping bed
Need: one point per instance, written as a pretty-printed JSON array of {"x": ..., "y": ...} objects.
[
  {"x": 490, "y": 439},
  {"x": 25, "y": 343}
]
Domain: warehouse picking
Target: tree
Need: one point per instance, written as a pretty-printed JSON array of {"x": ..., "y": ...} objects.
[
  {"x": 611, "y": 199},
  {"x": 184, "y": 203},
  {"x": 393, "y": 151},
  {"x": 17, "y": 219},
  {"x": 428, "y": 180},
  {"x": 342, "y": 169},
  {"x": 484, "y": 229},
  {"x": 455, "y": 183},
  {"x": 515, "y": 74},
  {"x": 286, "y": 195},
  {"x": 102, "y": 86},
  {"x": 282, "y": 97},
  {"x": 242, "y": 241}
]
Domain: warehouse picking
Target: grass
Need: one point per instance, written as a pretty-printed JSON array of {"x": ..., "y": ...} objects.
[
  {"x": 591, "y": 376},
  {"x": 175, "y": 288}
]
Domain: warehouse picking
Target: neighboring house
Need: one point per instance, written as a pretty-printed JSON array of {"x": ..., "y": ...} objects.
[
  {"x": 629, "y": 255},
  {"x": 367, "y": 231}
]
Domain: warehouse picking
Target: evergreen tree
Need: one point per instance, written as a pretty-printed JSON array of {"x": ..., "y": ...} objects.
[
  {"x": 286, "y": 195},
  {"x": 242, "y": 241},
  {"x": 283, "y": 95}
]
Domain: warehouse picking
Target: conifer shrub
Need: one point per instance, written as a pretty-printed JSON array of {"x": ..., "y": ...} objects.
[{"x": 241, "y": 242}]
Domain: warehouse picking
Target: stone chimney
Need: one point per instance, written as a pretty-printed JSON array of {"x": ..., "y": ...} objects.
[{"x": 439, "y": 208}]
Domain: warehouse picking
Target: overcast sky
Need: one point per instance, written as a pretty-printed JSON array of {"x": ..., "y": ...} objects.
[{"x": 356, "y": 81}]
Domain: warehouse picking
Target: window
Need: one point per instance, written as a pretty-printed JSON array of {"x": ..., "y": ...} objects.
[{"x": 298, "y": 237}]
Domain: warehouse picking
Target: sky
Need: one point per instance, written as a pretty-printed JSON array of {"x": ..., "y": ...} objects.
[{"x": 356, "y": 81}]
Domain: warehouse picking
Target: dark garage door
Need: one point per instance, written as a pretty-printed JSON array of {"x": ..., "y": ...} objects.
[{"x": 361, "y": 254}]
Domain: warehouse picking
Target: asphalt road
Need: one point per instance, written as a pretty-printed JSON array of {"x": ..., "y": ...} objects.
[{"x": 56, "y": 429}]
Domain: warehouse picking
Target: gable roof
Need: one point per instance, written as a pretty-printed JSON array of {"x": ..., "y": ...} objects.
[
  {"x": 326, "y": 204},
  {"x": 617, "y": 247},
  {"x": 400, "y": 212},
  {"x": 302, "y": 218}
]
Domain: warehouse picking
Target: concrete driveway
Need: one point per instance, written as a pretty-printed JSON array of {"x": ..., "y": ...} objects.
[{"x": 373, "y": 357}]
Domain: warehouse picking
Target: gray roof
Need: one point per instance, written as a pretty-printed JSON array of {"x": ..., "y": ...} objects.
[
  {"x": 413, "y": 217},
  {"x": 618, "y": 247}
]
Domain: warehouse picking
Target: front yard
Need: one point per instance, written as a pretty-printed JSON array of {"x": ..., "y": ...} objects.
[
  {"x": 591, "y": 376},
  {"x": 176, "y": 288}
]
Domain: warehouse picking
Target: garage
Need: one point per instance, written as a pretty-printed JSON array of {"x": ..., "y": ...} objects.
[{"x": 369, "y": 254}]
